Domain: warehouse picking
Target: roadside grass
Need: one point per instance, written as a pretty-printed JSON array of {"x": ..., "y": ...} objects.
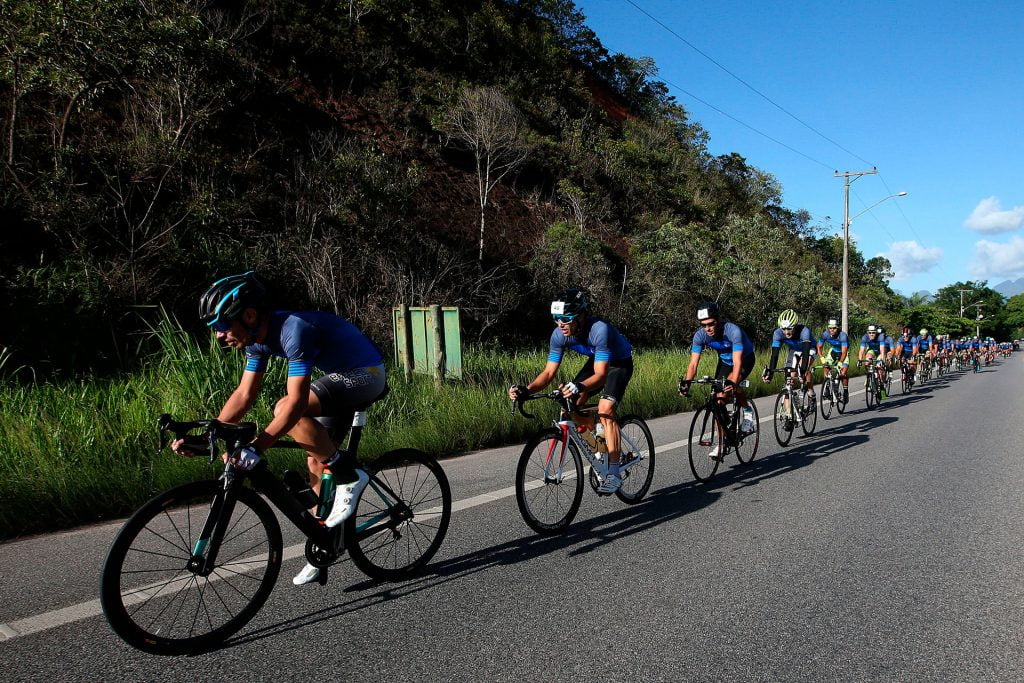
[{"x": 81, "y": 451}]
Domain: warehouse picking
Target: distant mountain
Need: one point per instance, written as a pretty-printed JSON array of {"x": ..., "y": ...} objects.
[
  {"x": 928, "y": 298},
  {"x": 1010, "y": 287}
]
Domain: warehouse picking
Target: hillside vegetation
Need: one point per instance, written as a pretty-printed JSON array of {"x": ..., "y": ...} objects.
[{"x": 364, "y": 153}]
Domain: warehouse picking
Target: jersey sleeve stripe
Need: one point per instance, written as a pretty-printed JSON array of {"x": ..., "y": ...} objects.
[{"x": 297, "y": 368}]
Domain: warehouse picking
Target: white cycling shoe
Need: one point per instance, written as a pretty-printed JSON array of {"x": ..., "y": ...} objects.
[
  {"x": 345, "y": 499},
  {"x": 309, "y": 574}
]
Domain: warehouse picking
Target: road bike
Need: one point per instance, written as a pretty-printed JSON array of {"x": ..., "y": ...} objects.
[
  {"x": 793, "y": 406},
  {"x": 549, "y": 475},
  {"x": 924, "y": 369},
  {"x": 831, "y": 391},
  {"x": 718, "y": 425},
  {"x": 193, "y": 565},
  {"x": 873, "y": 388},
  {"x": 906, "y": 376}
]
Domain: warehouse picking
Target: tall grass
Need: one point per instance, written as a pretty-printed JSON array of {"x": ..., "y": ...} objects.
[{"x": 80, "y": 451}]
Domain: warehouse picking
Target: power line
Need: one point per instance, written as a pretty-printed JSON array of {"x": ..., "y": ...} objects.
[
  {"x": 748, "y": 85},
  {"x": 747, "y": 125}
]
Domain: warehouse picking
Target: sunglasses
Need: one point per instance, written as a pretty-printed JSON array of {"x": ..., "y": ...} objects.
[
  {"x": 833, "y": 328},
  {"x": 563, "y": 318},
  {"x": 787, "y": 329},
  {"x": 220, "y": 325},
  {"x": 710, "y": 323}
]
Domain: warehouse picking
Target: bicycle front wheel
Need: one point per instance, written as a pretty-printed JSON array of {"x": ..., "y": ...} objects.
[
  {"x": 783, "y": 420},
  {"x": 871, "y": 390},
  {"x": 637, "y": 460},
  {"x": 402, "y": 515},
  {"x": 152, "y": 598},
  {"x": 828, "y": 399},
  {"x": 705, "y": 433},
  {"x": 549, "y": 482},
  {"x": 810, "y": 414}
]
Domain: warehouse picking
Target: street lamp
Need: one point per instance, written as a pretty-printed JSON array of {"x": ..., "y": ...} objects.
[{"x": 846, "y": 234}]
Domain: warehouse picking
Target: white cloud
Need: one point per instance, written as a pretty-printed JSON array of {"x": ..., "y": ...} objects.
[
  {"x": 989, "y": 218},
  {"x": 909, "y": 257},
  {"x": 995, "y": 259}
]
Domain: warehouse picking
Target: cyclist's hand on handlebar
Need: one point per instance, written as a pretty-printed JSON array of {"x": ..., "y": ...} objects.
[
  {"x": 178, "y": 446},
  {"x": 517, "y": 392},
  {"x": 766, "y": 376},
  {"x": 684, "y": 386},
  {"x": 245, "y": 458},
  {"x": 571, "y": 389}
]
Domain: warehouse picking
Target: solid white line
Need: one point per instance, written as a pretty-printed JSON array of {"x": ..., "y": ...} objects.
[{"x": 91, "y": 608}]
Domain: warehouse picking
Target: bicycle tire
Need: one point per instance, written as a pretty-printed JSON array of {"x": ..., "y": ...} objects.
[
  {"x": 781, "y": 420},
  {"x": 810, "y": 417},
  {"x": 636, "y": 480},
  {"x": 871, "y": 390},
  {"x": 840, "y": 403},
  {"x": 537, "y": 493},
  {"x": 746, "y": 450},
  {"x": 702, "y": 465},
  {"x": 394, "y": 547},
  {"x": 151, "y": 552},
  {"x": 828, "y": 400}
]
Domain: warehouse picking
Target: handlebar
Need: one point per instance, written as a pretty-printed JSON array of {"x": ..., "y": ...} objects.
[
  {"x": 233, "y": 436},
  {"x": 555, "y": 395}
]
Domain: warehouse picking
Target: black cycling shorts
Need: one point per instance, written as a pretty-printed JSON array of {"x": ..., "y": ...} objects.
[
  {"x": 619, "y": 374},
  {"x": 723, "y": 370}
]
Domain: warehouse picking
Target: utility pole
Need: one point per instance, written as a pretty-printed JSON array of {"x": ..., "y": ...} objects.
[
  {"x": 846, "y": 238},
  {"x": 977, "y": 319},
  {"x": 962, "y": 300}
]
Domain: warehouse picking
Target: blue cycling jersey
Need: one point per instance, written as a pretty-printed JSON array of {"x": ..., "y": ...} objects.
[
  {"x": 875, "y": 344},
  {"x": 311, "y": 339},
  {"x": 730, "y": 338},
  {"x": 801, "y": 334},
  {"x": 839, "y": 342},
  {"x": 906, "y": 346},
  {"x": 925, "y": 343},
  {"x": 603, "y": 342}
]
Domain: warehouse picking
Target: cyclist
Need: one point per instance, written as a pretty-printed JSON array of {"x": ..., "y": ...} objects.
[
  {"x": 609, "y": 367},
  {"x": 907, "y": 349},
  {"x": 735, "y": 359},
  {"x": 800, "y": 341},
  {"x": 873, "y": 346},
  {"x": 926, "y": 347},
  {"x": 839, "y": 344},
  {"x": 235, "y": 309}
]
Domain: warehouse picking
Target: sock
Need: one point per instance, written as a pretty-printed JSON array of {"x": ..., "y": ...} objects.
[{"x": 343, "y": 465}]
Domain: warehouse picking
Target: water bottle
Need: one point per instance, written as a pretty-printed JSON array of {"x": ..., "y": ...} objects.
[
  {"x": 602, "y": 447},
  {"x": 326, "y": 494}
]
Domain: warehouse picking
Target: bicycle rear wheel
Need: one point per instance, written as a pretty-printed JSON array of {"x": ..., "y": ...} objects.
[
  {"x": 549, "y": 482},
  {"x": 783, "y": 420},
  {"x": 637, "y": 460},
  {"x": 837, "y": 391},
  {"x": 746, "y": 443},
  {"x": 705, "y": 434},
  {"x": 156, "y": 603},
  {"x": 402, "y": 515}
]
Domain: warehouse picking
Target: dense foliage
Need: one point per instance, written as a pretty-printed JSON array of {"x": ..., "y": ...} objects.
[{"x": 147, "y": 147}]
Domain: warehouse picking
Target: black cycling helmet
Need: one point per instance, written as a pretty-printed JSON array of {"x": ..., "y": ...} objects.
[
  {"x": 228, "y": 297},
  {"x": 708, "y": 309},
  {"x": 570, "y": 303}
]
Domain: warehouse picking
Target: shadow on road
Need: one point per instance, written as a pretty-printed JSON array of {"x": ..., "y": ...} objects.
[{"x": 581, "y": 537}]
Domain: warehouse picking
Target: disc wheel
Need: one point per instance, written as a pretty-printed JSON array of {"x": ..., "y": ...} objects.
[
  {"x": 783, "y": 421},
  {"x": 705, "y": 438},
  {"x": 157, "y": 603},
  {"x": 746, "y": 443},
  {"x": 402, "y": 515},
  {"x": 549, "y": 482},
  {"x": 637, "y": 460}
]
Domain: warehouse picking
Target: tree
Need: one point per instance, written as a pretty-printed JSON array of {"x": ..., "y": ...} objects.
[{"x": 486, "y": 123}]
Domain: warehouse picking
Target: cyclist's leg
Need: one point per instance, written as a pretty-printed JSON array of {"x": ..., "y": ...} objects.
[{"x": 614, "y": 389}]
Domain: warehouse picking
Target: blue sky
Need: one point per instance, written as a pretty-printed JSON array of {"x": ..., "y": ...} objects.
[{"x": 931, "y": 93}]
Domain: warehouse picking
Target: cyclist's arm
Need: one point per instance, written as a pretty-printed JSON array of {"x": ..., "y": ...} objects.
[
  {"x": 289, "y": 410},
  {"x": 737, "y": 367},
  {"x": 545, "y": 376},
  {"x": 691, "y": 369},
  {"x": 844, "y": 352},
  {"x": 242, "y": 398},
  {"x": 597, "y": 379},
  {"x": 805, "y": 357},
  {"x": 774, "y": 360}
]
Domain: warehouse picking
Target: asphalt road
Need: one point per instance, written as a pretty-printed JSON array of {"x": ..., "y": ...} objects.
[{"x": 887, "y": 546}]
